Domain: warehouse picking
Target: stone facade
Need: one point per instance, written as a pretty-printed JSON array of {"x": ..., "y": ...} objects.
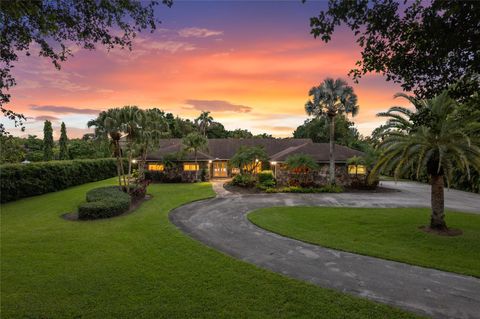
[
  {"x": 317, "y": 178},
  {"x": 176, "y": 174}
]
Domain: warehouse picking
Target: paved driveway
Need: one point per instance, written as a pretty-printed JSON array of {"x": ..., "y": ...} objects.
[{"x": 222, "y": 224}]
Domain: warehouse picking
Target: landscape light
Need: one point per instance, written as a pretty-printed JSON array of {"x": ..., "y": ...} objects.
[{"x": 134, "y": 161}]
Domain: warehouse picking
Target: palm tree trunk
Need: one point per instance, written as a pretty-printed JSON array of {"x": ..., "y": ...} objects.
[
  {"x": 437, "y": 220},
  {"x": 141, "y": 167},
  {"x": 129, "y": 170},
  {"x": 332, "y": 150},
  {"x": 122, "y": 171},
  {"x": 196, "y": 166},
  {"x": 118, "y": 173}
]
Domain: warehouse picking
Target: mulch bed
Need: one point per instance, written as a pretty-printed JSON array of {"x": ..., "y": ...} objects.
[
  {"x": 133, "y": 206},
  {"x": 254, "y": 190},
  {"x": 378, "y": 189},
  {"x": 450, "y": 232}
]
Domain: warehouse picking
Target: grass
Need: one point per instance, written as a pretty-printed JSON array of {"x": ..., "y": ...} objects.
[
  {"x": 141, "y": 266},
  {"x": 389, "y": 233}
]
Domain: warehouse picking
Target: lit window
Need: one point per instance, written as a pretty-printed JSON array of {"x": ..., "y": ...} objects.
[
  {"x": 357, "y": 170},
  {"x": 155, "y": 167},
  {"x": 190, "y": 167},
  {"x": 253, "y": 167}
]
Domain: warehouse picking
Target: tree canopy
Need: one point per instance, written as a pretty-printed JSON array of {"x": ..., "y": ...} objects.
[
  {"x": 53, "y": 26},
  {"x": 425, "y": 46}
]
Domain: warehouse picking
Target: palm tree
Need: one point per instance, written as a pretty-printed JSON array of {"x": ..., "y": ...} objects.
[
  {"x": 130, "y": 117},
  {"x": 204, "y": 121},
  {"x": 194, "y": 142},
  {"x": 331, "y": 98},
  {"x": 153, "y": 127},
  {"x": 108, "y": 124},
  {"x": 441, "y": 145}
]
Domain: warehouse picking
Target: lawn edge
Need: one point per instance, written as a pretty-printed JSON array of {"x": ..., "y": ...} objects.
[{"x": 353, "y": 252}]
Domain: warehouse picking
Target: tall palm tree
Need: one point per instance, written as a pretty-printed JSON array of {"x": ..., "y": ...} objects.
[
  {"x": 130, "y": 117},
  {"x": 153, "y": 127},
  {"x": 108, "y": 124},
  {"x": 331, "y": 98},
  {"x": 194, "y": 142},
  {"x": 204, "y": 121},
  {"x": 440, "y": 146}
]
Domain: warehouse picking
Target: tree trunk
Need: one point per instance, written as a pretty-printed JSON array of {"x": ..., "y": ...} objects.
[
  {"x": 122, "y": 171},
  {"x": 332, "y": 150},
  {"x": 437, "y": 220},
  {"x": 118, "y": 173},
  {"x": 129, "y": 170},
  {"x": 196, "y": 167}
]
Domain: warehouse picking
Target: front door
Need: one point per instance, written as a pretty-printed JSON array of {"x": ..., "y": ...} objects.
[{"x": 220, "y": 169}]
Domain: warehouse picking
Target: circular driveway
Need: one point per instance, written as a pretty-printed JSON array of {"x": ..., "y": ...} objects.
[{"x": 221, "y": 223}]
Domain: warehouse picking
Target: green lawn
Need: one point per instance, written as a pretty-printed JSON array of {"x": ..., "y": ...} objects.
[
  {"x": 141, "y": 266},
  {"x": 390, "y": 233}
]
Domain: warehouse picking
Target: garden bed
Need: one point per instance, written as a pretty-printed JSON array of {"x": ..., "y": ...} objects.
[{"x": 73, "y": 216}]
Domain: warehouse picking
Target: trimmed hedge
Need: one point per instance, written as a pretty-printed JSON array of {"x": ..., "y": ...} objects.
[
  {"x": 24, "y": 180},
  {"x": 104, "y": 202}
]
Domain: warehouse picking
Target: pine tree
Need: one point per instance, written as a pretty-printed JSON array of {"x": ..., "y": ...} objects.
[
  {"x": 47, "y": 141},
  {"x": 63, "y": 143}
]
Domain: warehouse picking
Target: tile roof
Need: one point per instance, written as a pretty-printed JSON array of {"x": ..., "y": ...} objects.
[{"x": 277, "y": 149}]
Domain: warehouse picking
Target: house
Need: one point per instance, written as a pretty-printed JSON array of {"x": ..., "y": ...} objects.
[{"x": 170, "y": 163}]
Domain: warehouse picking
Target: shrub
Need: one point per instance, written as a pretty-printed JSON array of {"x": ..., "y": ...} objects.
[
  {"x": 266, "y": 178},
  {"x": 139, "y": 190},
  {"x": 243, "y": 180},
  {"x": 164, "y": 177},
  {"x": 23, "y": 180},
  {"x": 104, "y": 202}
]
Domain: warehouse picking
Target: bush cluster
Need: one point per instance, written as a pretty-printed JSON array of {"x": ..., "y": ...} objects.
[
  {"x": 266, "y": 179},
  {"x": 298, "y": 189},
  {"x": 244, "y": 180},
  {"x": 163, "y": 177},
  {"x": 104, "y": 202},
  {"x": 24, "y": 180}
]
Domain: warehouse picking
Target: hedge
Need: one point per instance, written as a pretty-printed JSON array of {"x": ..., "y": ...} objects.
[
  {"x": 24, "y": 180},
  {"x": 104, "y": 202}
]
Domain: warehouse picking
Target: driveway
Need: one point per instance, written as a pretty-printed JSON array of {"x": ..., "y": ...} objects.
[{"x": 221, "y": 223}]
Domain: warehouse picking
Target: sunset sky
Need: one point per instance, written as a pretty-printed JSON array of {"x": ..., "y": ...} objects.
[{"x": 250, "y": 63}]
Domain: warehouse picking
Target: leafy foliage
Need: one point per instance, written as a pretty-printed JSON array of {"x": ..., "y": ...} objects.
[
  {"x": 53, "y": 25},
  {"x": 247, "y": 159},
  {"x": 317, "y": 130},
  {"x": 11, "y": 149},
  {"x": 266, "y": 179},
  {"x": 104, "y": 202},
  {"x": 243, "y": 180},
  {"x": 24, "y": 180},
  {"x": 441, "y": 148},
  {"x": 195, "y": 142},
  {"x": 329, "y": 99},
  {"x": 63, "y": 143},
  {"x": 302, "y": 166},
  {"x": 47, "y": 141},
  {"x": 425, "y": 46}
]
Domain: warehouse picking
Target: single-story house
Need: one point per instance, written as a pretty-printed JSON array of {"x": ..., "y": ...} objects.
[{"x": 213, "y": 161}]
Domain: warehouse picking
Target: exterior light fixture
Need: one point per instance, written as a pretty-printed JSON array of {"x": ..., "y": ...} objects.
[
  {"x": 273, "y": 163},
  {"x": 134, "y": 161},
  {"x": 210, "y": 162},
  {"x": 256, "y": 160}
]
